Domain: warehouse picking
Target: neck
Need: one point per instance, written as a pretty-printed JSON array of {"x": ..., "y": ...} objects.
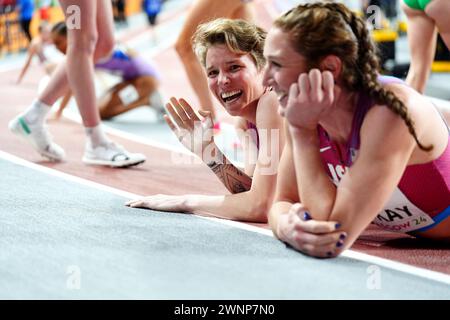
[
  {"x": 338, "y": 123},
  {"x": 249, "y": 111}
]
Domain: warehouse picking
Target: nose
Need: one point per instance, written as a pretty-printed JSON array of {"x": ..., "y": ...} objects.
[{"x": 223, "y": 78}]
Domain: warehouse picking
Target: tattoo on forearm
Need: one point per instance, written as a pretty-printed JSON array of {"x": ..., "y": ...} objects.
[{"x": 234, "y": 179}]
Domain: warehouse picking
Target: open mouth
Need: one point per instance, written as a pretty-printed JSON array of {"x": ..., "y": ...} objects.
[{"x": 231, "y": 96}]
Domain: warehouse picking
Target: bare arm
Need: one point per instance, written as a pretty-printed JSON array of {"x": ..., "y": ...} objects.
[
  {"x": 386, "y": 147},
  {"x": 255, "y": 203},
  {"x": 286, "y": 192},
  {"x": 196, "y": 135},
  {"x": 234, "y": 179},
  {"x": 26, "y": 66},
  {"x": 289, "y": 219},
  {"x": 251, "y": 205}
]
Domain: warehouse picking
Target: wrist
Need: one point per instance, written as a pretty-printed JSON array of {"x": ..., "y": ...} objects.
[
  {"x": 279, "y": 232},
  {"x": 189, "y": 203},
  {"x": 304, "y": 137},
  {"x": 302, "y": 131},
  {"x": 213, "y": 157}
]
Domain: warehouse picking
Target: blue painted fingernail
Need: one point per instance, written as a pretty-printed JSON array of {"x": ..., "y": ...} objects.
[
  {"x": 338, "y": 225},
  {"x": 339, "y": 244},
  {"x": 342, "y": 236},
  {"x": 306, "y": 216}
]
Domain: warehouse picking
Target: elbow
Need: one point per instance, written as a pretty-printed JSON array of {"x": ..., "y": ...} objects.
[{"x": 183, "y": 48}]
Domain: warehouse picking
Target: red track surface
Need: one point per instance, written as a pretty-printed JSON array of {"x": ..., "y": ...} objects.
[{"x": 159, "y": 175}]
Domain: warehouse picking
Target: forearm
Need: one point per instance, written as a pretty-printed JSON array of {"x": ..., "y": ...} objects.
[
  {"x": 234, "y": 179},
  {"x": 315, "y": 188},
  {"x": 243, "y": 206},
  {"x": 24, "y": 70},
  {"x": 278, "y": 208}
]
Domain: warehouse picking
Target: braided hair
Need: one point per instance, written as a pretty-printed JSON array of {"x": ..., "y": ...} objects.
[{"x": 323, "y": 28}]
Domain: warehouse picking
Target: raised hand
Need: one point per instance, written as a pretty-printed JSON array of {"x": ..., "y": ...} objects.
[
  {"x": 309, "y": 99},
  {"x": 194, "y": 133}
]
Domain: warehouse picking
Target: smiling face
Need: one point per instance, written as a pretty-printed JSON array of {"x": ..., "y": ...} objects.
[
  {"x": 233, "y": 78},
  {"x": 284, "y": 64}
]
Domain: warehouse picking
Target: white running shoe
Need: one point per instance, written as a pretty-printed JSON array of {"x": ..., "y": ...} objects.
[
  {"x": 39, "y": 138},
  {"x": 111, "y": 155}
]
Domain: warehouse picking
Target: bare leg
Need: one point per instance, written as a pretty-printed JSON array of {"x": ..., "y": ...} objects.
[
  {"x": 59, "y": 83},
  {"x": 113, "y": 104},
  {"x": 439, "y": 11},
  {"x": 201, "y": 12},
  {"x": 80, "y": 56},
  {"x": 422, "y": 37},
  {"x": 57, "y": 86}
]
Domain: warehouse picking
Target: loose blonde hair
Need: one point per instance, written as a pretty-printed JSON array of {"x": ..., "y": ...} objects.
[{"x": 239, "y": 36}]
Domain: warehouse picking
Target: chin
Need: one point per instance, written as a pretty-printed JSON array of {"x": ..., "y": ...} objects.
[
  {"x": 234, "y": 112},
  {"x": 235, "y": 109}
]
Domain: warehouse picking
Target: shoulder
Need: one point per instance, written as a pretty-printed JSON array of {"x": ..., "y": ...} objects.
[
  {"x": 240, "y": 123},
  {"x": 269, "y": 100},
  {"x": 267, "y": 111},
  {"x": 384, "y": 131},
  {"x": 419, "y": 108}
]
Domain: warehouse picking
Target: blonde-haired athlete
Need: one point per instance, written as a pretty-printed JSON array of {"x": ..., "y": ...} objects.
[
  {"x": 231, "y": 52},
  {"x": 203, "y": 11}
]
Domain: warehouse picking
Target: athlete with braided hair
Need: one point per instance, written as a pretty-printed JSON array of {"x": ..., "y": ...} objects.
[{"x": 361, "y": 148}]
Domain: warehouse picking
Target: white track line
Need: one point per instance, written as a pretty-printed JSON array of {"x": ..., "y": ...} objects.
[{"x": 415, "y": 271}]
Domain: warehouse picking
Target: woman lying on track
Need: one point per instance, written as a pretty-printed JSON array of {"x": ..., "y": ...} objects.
[
  {"x": 360, "y": 148},
  {"x": 231, "y": 51}
]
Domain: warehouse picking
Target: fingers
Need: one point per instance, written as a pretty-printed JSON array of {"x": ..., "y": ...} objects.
[
  {"x": 334, "y": 238},
  {"x": 317, "y": 85},
  {"x": 147, "y": 202},
  {"x": 173, "y": 113},
  {"x": 179, "y": 108},
  {"x": 170, "y": 123},
  {"x": 137, "y": 203},
  {"x": 189, "y": 110},
  {"x": 328, "y": 86},
  {"x": 318, "y": 227},
  {"x": 315, "y": 82},
  {"x": 316, "y": 238},
  {"x": 294, "y": 91},
  {"x": 327, "y": 251},
  {"x": 182, "y": 113},
  {"x": 303, "y": 84},
  {"x": 307, "y": 224}
]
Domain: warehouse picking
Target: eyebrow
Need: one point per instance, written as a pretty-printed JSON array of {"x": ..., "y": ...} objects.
[
  {"x": 273, "y": 57},
  {"x": 226, "y": 62}
]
